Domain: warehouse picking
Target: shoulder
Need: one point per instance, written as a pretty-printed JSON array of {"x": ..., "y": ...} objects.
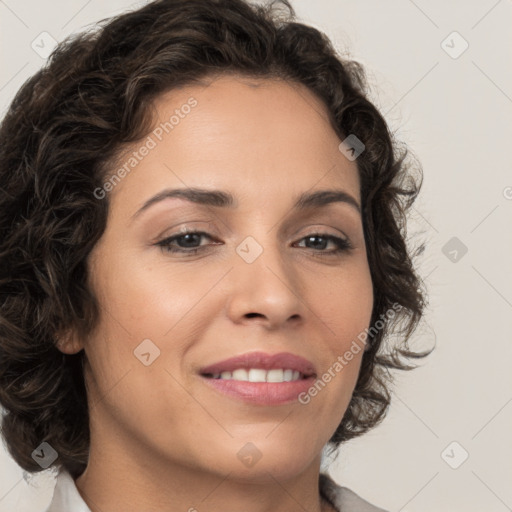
[{"x": 343, "y": 498}]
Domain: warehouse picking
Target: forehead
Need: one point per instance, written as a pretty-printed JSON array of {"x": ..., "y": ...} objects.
[{"x": 244, "y": 134}]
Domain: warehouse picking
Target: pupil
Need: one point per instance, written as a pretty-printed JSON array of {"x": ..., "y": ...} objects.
[
  {"x": 316, "y": 238},
  {"x": 186, "y": 238}
]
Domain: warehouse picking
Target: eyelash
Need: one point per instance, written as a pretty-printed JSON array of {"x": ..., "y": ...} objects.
[{"x": 343, "y": 245}]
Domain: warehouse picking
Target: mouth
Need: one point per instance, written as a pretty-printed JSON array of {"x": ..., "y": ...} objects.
[
  {"x": 259, "y": 375},
  {"x": 259, "y": 378}
]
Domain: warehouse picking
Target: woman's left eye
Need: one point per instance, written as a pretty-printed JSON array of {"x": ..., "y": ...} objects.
[
  {"x": 186, "y": 242},
  {"x": 341, "y": 244}
]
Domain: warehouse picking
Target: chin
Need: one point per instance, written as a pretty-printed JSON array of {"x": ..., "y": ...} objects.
[{"x": 265, "y": 459}]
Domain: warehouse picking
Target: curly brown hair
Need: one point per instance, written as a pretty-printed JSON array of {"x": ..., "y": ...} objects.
[{"x": 62, "y": 133}]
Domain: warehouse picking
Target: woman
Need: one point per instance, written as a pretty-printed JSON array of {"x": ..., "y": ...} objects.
[{"x": 202, "y": 252}]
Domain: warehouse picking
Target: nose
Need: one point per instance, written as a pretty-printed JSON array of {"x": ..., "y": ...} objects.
[{"x": 266, "y": 290}]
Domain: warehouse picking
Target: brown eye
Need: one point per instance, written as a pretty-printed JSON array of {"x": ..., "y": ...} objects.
[
  {"x": 318, "y": 242},
  {"x": 185, "y": 242}
]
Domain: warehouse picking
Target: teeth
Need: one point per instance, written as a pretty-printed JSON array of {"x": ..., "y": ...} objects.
[
  {"x": 275, "y": 376},
  {"x": 240, "y": 374},
  {"x": 288, "y": 375},
  {"x": 260, "y": 375},
  {"x": 256, "y": 375}
]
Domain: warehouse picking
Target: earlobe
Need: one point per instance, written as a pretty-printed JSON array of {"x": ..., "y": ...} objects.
[{"x": 68, "y": 343}]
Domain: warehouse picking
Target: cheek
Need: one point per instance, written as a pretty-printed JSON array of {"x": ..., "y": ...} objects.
[
  {"x": 144, "y": 309},
  {"x": 344, "y": 302},
  {"x": 344, "y": 305},
  {"x": 146, "y": 299}
]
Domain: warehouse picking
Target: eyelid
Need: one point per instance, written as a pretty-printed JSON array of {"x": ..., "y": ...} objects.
[
  {"x": 184, "y": 230},
  {"x": 343, "y": 243},
  {"x": 309, "y": 230}
]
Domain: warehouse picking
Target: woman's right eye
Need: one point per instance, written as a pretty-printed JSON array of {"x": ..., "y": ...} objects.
[{"x": 190, "y": 238}]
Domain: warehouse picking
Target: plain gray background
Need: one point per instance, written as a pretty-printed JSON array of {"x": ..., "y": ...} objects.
[{"x": 454, "y": 109}]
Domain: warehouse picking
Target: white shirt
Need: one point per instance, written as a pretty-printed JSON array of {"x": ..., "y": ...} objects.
[{"x": 66, "y": 497}]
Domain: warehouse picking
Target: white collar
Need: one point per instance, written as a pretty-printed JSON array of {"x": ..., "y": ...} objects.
[{"x": 66, "y": 497}]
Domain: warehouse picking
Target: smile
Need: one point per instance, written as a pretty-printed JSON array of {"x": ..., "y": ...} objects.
[
  {"x": 259, "y": 378},
  {"x": 260, "y": 375}
]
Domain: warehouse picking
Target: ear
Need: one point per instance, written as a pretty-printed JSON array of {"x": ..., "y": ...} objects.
[{"x": 68, "y": 343}]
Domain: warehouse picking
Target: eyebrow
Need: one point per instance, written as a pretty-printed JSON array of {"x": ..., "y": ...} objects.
[{"x": 223, "y": 199}]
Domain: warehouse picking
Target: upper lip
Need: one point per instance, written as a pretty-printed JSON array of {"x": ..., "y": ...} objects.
[{"x": 284, "y": 360}]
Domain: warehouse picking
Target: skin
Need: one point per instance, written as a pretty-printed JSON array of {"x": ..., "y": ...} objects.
[{"x": 161, "y": 439}]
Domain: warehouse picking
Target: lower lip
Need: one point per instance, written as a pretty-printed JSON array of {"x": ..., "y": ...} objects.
[{"x": 262, "y": 393}]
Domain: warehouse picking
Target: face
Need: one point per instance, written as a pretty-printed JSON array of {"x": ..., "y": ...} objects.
[{"x": 283, "y": 287}]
